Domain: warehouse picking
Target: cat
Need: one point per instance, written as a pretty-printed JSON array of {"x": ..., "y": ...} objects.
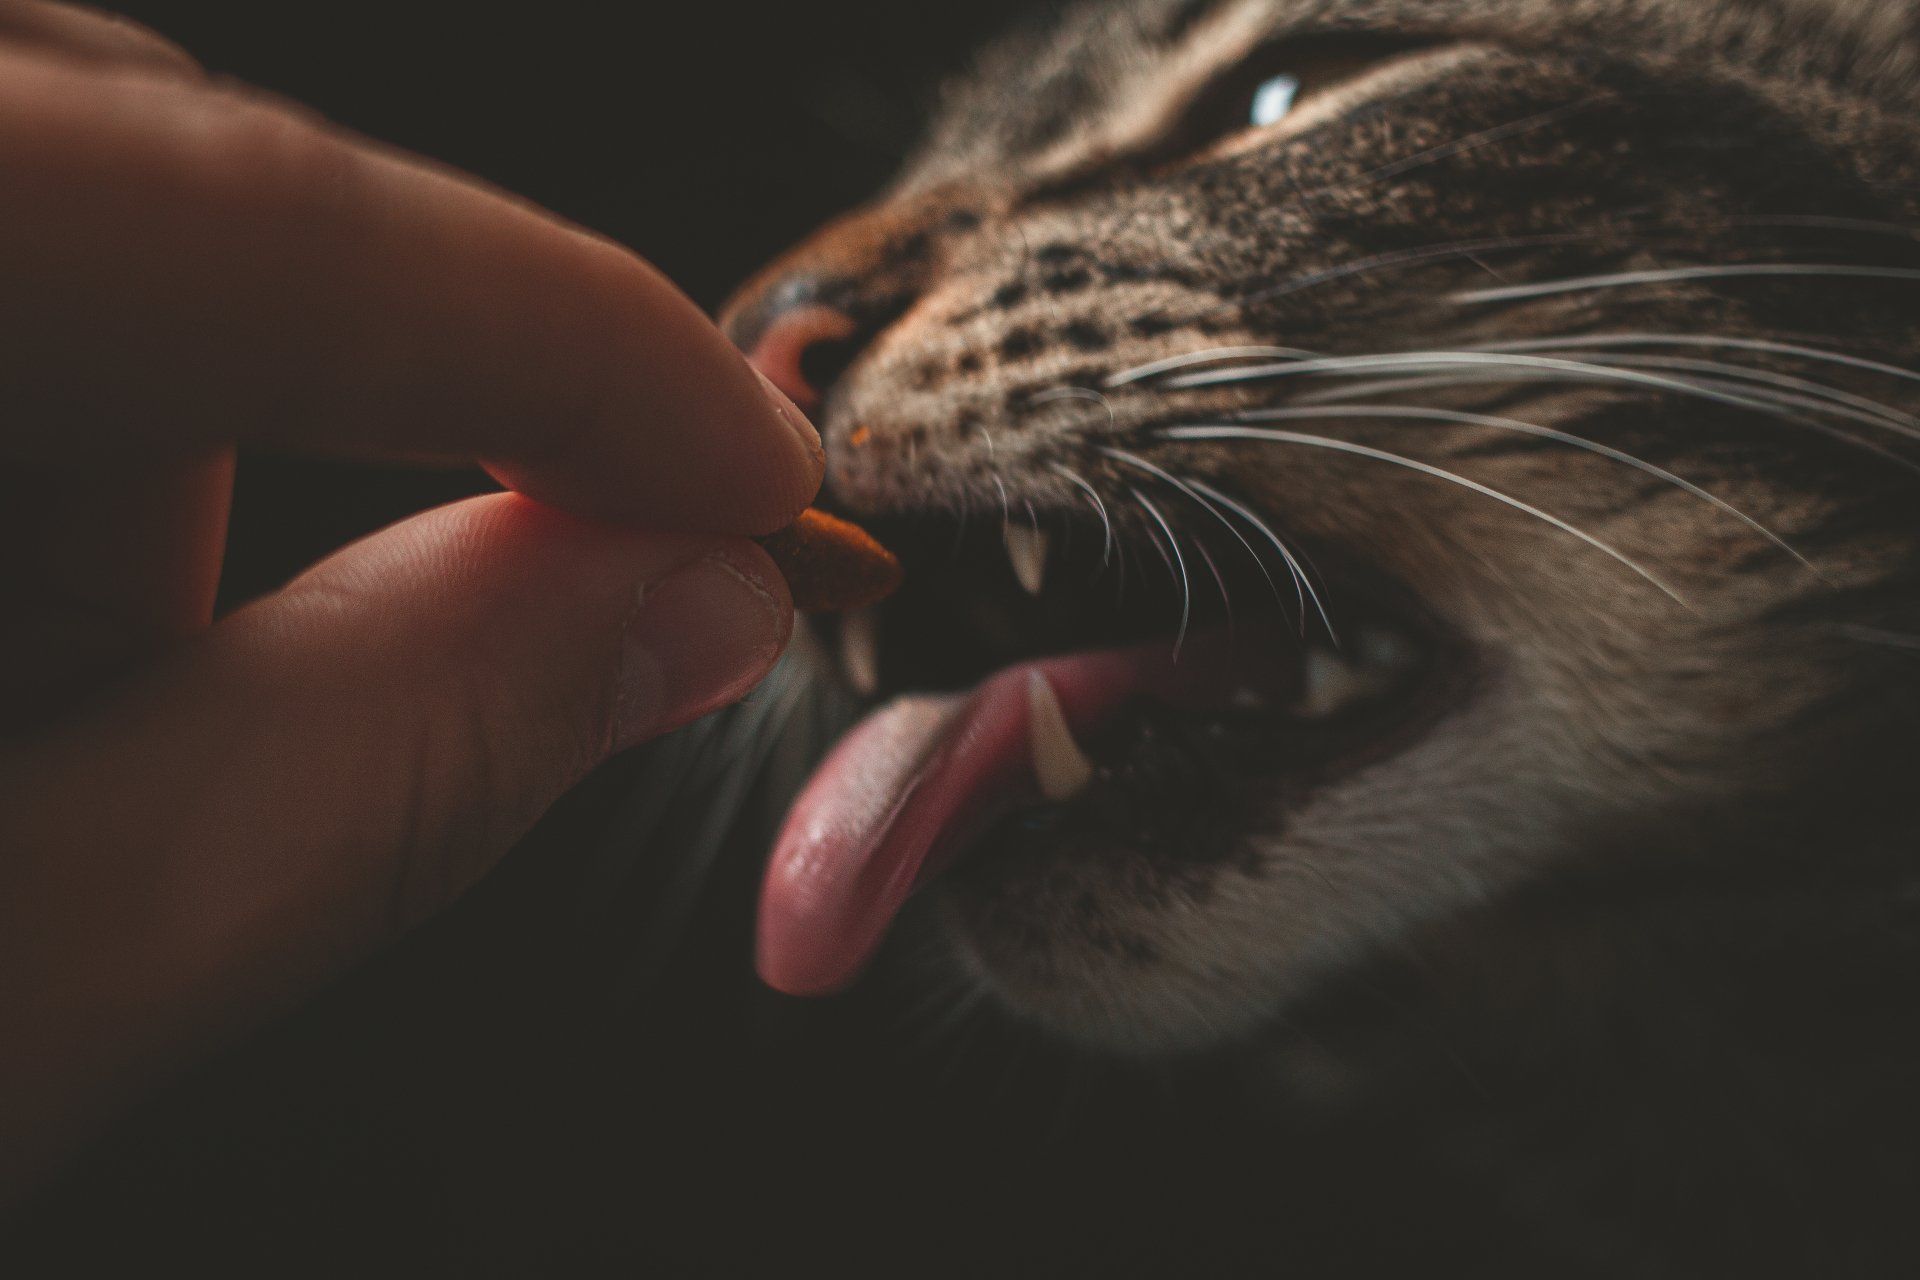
[
  {"x": 1517, "y": 879},
  {"x": 1412, "y": 620}
]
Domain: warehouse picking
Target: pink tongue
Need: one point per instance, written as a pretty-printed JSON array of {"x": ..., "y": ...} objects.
[
  {"x": 897, "y": 798},
  {"x": 915, "y": 780}
]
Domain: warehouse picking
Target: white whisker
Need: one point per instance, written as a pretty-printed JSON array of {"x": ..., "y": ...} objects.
[
  {"x": 1211, "y": 355},
  {"x": 1739, "y": 395},
  {"x": 1226, "y": 597},
  {"x": 1702, "y": 340},
  {"x": 1675, "y": 275},
  {"x": 1302, "y": 580},
  {"x": 1093, "y": 496},
  {"x": 1186, "y": 585},
  {"x": 1275, "y": 435},
  {"x": 1877, "y": 635},
  {"x": 1407, "y": 257},
  {"x": 1073, "y": 393},
  {"x": 1418, "y": 413},
  {"x": 1187, "y": 488},
  {"x": 1787, "y": 382},
  {"x": 1776, "y": 404}
]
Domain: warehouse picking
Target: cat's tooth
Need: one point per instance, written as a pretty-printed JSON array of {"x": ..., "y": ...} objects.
[
  {"x": 1329, "y": 684},
  {"x": 1027, "y": 549},
  {"x": 1059, "y": 765},
  {"x": 860, "y": 651}
]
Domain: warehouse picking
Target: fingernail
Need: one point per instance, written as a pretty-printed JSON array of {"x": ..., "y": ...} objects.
[
  {"x": 698, "y": 639},
  {"x": 796, "y": 421}
]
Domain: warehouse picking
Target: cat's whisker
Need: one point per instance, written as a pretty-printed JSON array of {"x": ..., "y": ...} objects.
[
  {"x": 1302, "y": 579},
  {"x": 1093, "y": 496},
  {"x": 1179, "y": 566},
  {"x": 1074, "y": 393},
  {"x": 1739, "y": 395},
  {"x": 1909, "y": 424},
  {"x": 1776, "y": 404},
  {"x": 1795, "y": 408},
  {"x": 1338, "y": 394},
  {"x": 1211, "y": 355},
  {"x": 1679, "y": 275},
  {"x": 1761, "y": 345},
  {"x": 1226, "y": 596},
  {"x": 1412, "y": 257},
  {"x": 1229, "y": 431},
  {"x": 1187, "y": 489},
  {"x": 1877, "y": 636},
  {"x": 1460, "y": 417}
]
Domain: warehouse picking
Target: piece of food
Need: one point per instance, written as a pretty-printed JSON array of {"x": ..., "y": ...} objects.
[{"x": 832, "y": 565}]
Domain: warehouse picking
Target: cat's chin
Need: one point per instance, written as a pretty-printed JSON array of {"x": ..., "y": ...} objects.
[{"x": 1074, "y": 990}]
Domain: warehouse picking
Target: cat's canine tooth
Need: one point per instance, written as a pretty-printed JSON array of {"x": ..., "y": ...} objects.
[
  {"x": 860, "y": 651},
  {"x": 1329, "y": 684},
  {"x": 1059, "y": 765},
  {"x": 1027, "y": 549}
]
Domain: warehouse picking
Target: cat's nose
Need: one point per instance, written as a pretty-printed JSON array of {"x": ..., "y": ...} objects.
[
  {"x": 803, "y": 348},
  {"x": 810, "y": 314}
]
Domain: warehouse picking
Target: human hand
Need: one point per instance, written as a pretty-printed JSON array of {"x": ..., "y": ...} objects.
[{"x": 200, "y": 822}]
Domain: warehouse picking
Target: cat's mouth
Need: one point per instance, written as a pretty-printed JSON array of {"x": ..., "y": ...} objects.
[{"x": 1038, "y": 686}]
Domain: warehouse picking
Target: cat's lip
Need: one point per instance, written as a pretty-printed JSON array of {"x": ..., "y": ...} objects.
[{"x": 950, "y": 750}]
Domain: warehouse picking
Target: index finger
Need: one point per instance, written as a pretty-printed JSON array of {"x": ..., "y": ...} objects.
[{"x": 186, "y": 265}]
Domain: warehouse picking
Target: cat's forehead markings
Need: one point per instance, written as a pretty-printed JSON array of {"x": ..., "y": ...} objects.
[{"x": 1158, "y": 89}]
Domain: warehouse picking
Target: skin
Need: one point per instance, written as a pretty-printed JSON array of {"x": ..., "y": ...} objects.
[{"x": 201, "y": 820}]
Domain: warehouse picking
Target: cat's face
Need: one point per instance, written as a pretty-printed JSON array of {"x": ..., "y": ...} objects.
[{"x": 1532, "y": 350}]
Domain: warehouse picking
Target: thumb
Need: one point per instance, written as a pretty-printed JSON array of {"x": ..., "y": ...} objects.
[{"x": 322, "y": 769}]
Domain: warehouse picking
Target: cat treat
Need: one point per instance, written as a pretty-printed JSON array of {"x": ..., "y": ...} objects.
[{"x": 832, "y": 565}]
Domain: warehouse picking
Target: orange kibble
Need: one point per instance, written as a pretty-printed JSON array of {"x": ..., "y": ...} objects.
[
  {"x": 832, "y": 565},
  {"x": 860, "y": 436}
]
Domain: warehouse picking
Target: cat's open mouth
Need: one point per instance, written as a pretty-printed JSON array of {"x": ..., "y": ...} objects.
[{"x": 1041, "y": 685}]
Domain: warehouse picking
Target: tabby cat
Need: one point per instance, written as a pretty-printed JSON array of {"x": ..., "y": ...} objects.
[{"x": 1412, "y": 617}]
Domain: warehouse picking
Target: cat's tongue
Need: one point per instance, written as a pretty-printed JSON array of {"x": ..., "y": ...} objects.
[{"x": 914, "y": 781}]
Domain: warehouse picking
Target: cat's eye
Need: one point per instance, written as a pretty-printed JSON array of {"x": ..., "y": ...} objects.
[
  {"x": 1274, "y": 99},
  {"x": 1274, "y": 82}
]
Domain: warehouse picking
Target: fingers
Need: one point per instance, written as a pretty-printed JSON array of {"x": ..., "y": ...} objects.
[
  {"x": 76, "y": 32},
  {"x": 189, "y": 267},
  {"x": 100, "y": 566},
  {"x": 324, "y": 768}
]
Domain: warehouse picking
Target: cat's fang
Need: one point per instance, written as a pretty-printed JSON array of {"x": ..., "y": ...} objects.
[
  {"x": 1059, "y": 765},
  {"x": 1027, "y": 550},
  {"x": 860, "y": 652}
]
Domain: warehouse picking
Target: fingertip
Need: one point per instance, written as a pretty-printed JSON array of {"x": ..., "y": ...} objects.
[{"x": 700, "y": 638}]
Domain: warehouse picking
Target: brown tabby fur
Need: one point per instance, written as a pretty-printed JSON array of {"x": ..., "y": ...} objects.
[{"x": 1623, "y": 949}]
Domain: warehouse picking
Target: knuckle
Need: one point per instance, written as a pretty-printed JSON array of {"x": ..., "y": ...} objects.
[{"x": 260, "y": 150}]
